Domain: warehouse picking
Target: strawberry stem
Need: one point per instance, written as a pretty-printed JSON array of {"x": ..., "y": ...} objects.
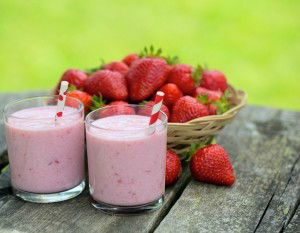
[{"x": 197, "y": 73}]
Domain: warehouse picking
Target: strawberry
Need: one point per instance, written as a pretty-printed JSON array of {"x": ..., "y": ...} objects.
[
  {"x": 118, "y": 66},
  {"x": 182, "y": 76},
  {"x": 212, "y": 109},
  {"x": 146, "y": 111},
  {"x": 84, "y": 97},
  {"x": 118, "y": 102},
  {"x": 130, "y": 58},
  {"x": 211, "y": 164},
  {"x": 173, "y": 167},
  {"x": 216, "y": 101},
  {"x": 172, "y": 94},
  {"x": 145, "y": 77},
  {"x": 119, "y": 108},
  {"x": 211, "y": 95},
  {"x": 186, "y": 109},
  {"x": 214, "y": 80},
  {"x": 110, "y": 84},
  {"x": 74, "y": 77}
]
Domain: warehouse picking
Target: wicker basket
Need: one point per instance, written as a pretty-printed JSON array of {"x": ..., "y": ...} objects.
[{"x": 202, "y": 130}]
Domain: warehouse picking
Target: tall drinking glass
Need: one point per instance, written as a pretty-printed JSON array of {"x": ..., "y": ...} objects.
[
  {"x": 126, "y": 159},
  {"x": 46, "y": 157}
]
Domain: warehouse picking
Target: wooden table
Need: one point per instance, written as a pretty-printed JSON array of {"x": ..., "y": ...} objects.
[{"x": 264, "y": 146}]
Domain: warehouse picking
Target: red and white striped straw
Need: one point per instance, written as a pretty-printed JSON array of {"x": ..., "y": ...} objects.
[
  {"x": 61, "y": 99},
  {"x": 155, "y": 110}
]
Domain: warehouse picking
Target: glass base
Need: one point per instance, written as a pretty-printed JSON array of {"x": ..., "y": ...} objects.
[
  {"x": 137, "y": 209},
  {"x": 50, "y": 197}
]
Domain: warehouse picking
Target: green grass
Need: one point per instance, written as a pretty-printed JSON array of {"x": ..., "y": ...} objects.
[{"x": 256, "y": 43}]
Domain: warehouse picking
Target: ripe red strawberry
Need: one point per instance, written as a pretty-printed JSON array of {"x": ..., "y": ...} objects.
[
  {"x": 172, "y": 94},
  {"x": 118, "y": 108},
  {"x": 182, "y": 76},
  {"x": 145, "y": 77},
  {"x": 213, "y": 80},
  {"x": 211, "y": 95},
  {"x": 147, "y": 111},
  {"x": 130, "y": 58},
  {"x": 118, "y": 102},
  {"x": 74, "y": 77},
  {"x": 211, "y": 164},
  {"x": 186, "y": 109},
  {"x": 173, "y": 167},
  {"x": 212, "y": 109},
  {"x": 118, "y": 66},
  {"x": 110, "y": 84},
  {"x": 84, "y": 97}
]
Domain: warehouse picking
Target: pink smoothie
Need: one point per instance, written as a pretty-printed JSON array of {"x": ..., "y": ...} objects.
[
  {"x": 127, "y": 166},
  {"x": 44, "y": 156}
]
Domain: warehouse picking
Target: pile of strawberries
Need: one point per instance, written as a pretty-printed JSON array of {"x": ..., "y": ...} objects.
[
  {"x": 189, "y": 92},
  {"x": 209, "y": 164}
]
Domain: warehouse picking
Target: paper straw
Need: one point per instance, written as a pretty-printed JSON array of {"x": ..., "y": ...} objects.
[
  {"x": 61, "y": 99},
  {"x": 155, "y": 110}
]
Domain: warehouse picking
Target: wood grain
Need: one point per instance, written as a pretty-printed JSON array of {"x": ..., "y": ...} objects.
[
  {"x": 264, "y": 149},
  {"x": 294, "y": 225},
  {"x": 78, "y": 215}
]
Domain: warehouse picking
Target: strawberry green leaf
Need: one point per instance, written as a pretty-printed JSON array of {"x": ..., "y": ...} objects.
[
  {"x": 102, "y": 63},
  {"x": 97, "y": 102},
  {"x": 193, "y": 148},
  {"x": 203, "y": 99},
  {"x": 151, "y": 49},
  {"x": 197, "y": 73},
  {"x": 150, "y": 52},
  {"x": 223, "y": 105},
  {"x": 172, "y": 60},
  {"x": 144, "y": 102},
  {"x": 196, "y": 146},
  {"x": 158, "y": 52},
  {"x": 92, "y": 70},
  {"x": 72, "y": 88}
]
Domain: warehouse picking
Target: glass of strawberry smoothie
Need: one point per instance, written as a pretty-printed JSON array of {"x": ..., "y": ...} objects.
[
  {"x": 46, "y": 157},
  {"x": 126, "y": 159}
]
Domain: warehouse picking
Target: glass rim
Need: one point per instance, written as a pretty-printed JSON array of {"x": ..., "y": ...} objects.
[
  {"x": 89, "y": 123},
  {"x": 10, "y": 104}
]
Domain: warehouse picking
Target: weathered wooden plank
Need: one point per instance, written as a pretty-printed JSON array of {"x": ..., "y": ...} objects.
[
  {"x": 294, "y": 225},
  {"x": 5, "y": 98},
  {"x": 78, "y": 215},
  {"x": 284, "y": 203},
  {"x": 264, "y": 149}
]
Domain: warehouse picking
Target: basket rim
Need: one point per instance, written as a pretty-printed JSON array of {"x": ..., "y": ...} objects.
[{"x": 241, "y": 97}]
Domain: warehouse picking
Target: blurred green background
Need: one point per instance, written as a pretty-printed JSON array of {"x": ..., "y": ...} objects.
[{"x": 256, "y": 43}]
